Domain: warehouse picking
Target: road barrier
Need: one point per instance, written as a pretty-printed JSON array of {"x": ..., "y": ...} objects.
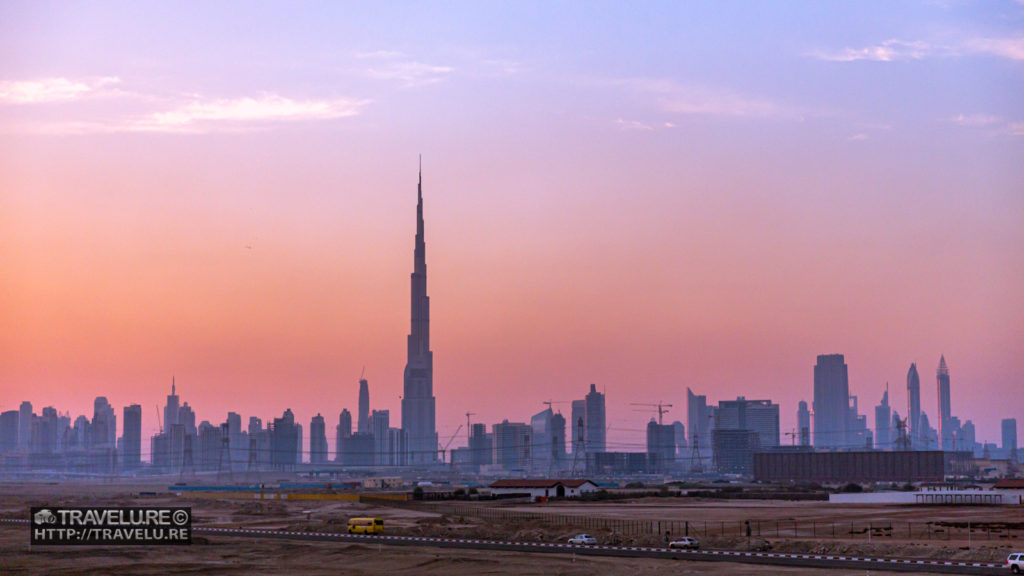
[{"x": 961, "y": 530}]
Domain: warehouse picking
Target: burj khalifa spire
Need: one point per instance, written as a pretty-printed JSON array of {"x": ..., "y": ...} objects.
[{"x": 418, "y": 403}]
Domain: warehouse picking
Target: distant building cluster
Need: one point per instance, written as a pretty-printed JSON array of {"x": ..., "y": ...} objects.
[{"x": 735, "y": 437}]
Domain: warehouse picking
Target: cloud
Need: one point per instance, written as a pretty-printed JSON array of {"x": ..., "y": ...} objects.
[
  {"x": 858, "y": 137},
  {"x": 887, "y": 51},
  {"x": 993, "y": 125},
  {"x": 894, "y": 50},
  {"x": 504, "y": 67},
  {"x": 676, "y": 98},
  {"x": 393, "y": 65},
  {"x": 202, "y": 116},
  {"x": 49, "y": 89},
  {"x": 632, "y": 125},
  {"x": 1012, "y": 48},
  {"x": 975, "y": 120}
]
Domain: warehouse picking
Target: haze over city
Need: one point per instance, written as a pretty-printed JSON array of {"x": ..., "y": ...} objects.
[{"x": 704, "y": 196}]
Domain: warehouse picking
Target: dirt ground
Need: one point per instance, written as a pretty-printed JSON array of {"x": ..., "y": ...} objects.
[{"x": 220, "y": 555}]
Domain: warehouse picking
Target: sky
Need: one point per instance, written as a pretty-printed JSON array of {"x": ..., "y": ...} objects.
[{"x": 646, "y": 196}]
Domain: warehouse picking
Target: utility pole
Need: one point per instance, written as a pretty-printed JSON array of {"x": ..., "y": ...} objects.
[
  {"x": 225, "y": 449},
  {"x": 578, "y": 447}
]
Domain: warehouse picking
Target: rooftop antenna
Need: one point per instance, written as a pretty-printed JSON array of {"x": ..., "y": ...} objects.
[{"x": 363, "y": 372}]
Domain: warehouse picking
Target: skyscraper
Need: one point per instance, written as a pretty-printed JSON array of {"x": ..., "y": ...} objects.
[
  {"x": 342, "y": 431},
  {"x": 558, "y": 439},
  {"x": 942, "y": 382},
  {"x": 803, "y": 422},
  {"x": 363, "y": 422},
  {"x": 131, "y": 437},
  {"x": 284, "y": 442},
  {"x": 883, "y": 422},
  {"x": 104, "y": 424},
  {"x": 418, "y": 403},
  {"x": 25, "y": 425},
  {"x": 543, "y": 452},
  {"x": 1010, "y": 437},
  {"x": 8, "y": 431},
  {"x": 914, "y": 406},
  {"x": 699, "y": 419},
  {"x": 595, "y": 425},
  {"x": 317, "y": 440},
  {"x": 380, "y": 421},
  {"x": 512, "y": 445},
  {"x": 761, "y": 416},
  {"x": 480, "y": 448},
  {"x": 171, "y": 409},
  {"x": 661, "y": 441},
  {"x": 831, "y": 401}
]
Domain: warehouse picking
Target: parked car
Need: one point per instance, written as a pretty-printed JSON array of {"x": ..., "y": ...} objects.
[
  {"x": 688, "y": 543},
  {"x": 1016, "y": 562},
  {"x": 583, "y": 540}
]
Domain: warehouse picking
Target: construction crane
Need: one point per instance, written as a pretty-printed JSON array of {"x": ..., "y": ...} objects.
[
  {"x": 469, "y": 429},
  {"x": 792, "y": 435},
  {"x": 158, "y": 421},
  {"x": 551, "y": 402},
  {"x": 450, "y": 440},
  {"x": 660, "y": 406}
]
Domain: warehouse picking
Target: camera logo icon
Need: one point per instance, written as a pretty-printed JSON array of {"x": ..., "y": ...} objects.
[{"x": 44, "y": 516}]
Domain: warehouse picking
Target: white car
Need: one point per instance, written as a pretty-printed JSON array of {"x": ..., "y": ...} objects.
[
  {"x": 1015, "y": 562},
  {"x": 583, "y": 540},
  {"x": 688, "y": 543}
]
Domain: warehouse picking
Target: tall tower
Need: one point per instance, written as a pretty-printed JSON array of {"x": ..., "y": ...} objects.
[
  {"x": 596, "y": 431},
  {"x": 942, "y": 381},
  {"x": 171, "y": 409},
  {"x": 914, "y": 405},
  {"x": 831, "y": 402},
  {"x": 418, "y": 404},
  {"x": 803, "y": 421},
  {"x": 363, "y": 424},
  {"x": 883, "y": 422},
  {"x": 131, "y": 438}
]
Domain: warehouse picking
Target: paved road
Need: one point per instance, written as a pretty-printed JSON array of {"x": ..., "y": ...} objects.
[{"x": 804, "y": 560}]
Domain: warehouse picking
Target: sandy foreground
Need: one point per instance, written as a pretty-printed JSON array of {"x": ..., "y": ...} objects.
[{"x": 224, "y": 555}]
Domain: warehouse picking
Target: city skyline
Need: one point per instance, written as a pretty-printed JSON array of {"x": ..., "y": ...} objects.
[{"x": 648, "y": 199}]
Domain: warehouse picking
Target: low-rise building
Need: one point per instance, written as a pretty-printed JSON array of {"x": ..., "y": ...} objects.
[{"x": 543, "y": 488}]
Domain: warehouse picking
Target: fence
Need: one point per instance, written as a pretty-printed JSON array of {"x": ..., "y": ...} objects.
[{"x": 793, "y": 529}]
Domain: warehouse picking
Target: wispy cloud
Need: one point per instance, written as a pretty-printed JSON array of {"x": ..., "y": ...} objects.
[
  {"x": 675, "y": 98},
  {"x": 993, "y": 125},
  {"x": 896, "y": 50},
  {"x": 393, "y": 65},
  {"x": 1012, "y": 48},
  {"x": 203, "y": 116},
  {"x": 858, "y": 137},
  {"x": 504, "y": 67},
  {"x": 50, "y": 89},
  {"x": 200, "y": 116},
  {"x": 976, "y": 120},
  {"x": 632, "y": 125},
  {"x": 887, "y": 51}
]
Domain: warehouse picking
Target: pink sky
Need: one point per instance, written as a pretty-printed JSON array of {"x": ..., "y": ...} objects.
[{"x": 624, "y": 215}]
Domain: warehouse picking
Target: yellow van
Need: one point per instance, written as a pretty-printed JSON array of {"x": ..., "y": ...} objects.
[{"x": 365, "y": 525}]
